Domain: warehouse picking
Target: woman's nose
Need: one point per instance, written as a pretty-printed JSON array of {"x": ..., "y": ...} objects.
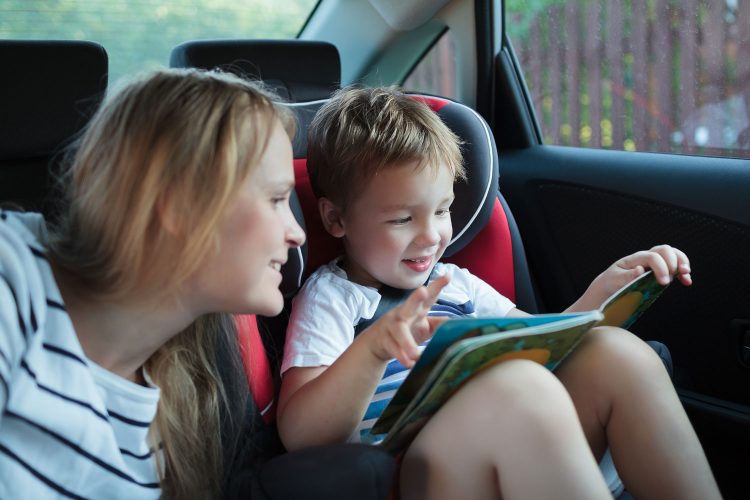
[{"x": 295, "y": 235}]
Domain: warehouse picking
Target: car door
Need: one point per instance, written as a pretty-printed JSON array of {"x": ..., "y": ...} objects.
[{"x": 622, "y": 125}]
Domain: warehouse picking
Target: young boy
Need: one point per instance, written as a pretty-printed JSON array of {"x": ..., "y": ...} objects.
[{"x": 383, "y": 166}]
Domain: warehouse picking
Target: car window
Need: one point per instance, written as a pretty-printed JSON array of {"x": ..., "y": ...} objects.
[
  {"x": 140, "y": 34},
  {"x": 637, "y": 75},
  {"x": 436, "y": 71}
]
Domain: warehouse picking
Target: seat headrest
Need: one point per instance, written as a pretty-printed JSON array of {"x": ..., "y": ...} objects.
[
  {"x": 298, "y": 70},
  {"x": 475, "y": 198},
  {"x": 49, "y": 90}
]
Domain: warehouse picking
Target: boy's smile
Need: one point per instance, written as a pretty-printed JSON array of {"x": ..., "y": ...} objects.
[{"x": 399, "y": 226}]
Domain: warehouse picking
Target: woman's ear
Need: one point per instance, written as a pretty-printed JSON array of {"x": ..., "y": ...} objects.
[
  {"x": 167, "y": 216},
  {"x": 331, "y": 217}
]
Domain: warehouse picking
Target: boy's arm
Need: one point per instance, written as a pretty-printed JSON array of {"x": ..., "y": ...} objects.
[
  {"x": 320, "y": 405},
  {"x": 325, "y": 404},
  {"x": 664, "y": 260}
]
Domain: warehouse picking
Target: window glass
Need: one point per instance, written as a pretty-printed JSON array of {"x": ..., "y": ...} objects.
[
  {"x": 140, "y": 34},
  {"x": 637, "y": 75},
  {"x": 436, "y": 71}
]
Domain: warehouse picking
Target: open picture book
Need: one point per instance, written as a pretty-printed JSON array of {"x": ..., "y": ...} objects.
[{"x": 462, "y": 347}]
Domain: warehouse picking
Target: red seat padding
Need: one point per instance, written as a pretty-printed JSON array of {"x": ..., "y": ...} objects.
[
  {"x": 257, "y": 366},
  {"x": 490, "y": 254}
]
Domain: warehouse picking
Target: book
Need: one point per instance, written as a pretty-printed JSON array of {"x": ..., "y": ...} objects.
[{"x": 462, "y": 347}]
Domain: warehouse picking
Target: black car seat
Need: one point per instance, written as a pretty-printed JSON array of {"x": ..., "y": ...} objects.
[{"x": 48, "y": 92}]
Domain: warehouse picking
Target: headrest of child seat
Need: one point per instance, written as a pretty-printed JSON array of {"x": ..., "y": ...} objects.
[
  {"x": 50, "y": 89},
  {"x": 475, "y": 197},
  {"x": 298, "y": 70}
]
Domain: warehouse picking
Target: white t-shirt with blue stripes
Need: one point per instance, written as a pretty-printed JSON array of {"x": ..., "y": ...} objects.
[
  {"x": 329, "y": 306},
  {"x": 68, "y": 428}
]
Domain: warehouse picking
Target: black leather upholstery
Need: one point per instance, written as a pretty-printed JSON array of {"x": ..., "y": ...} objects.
[{"x": 298, "y": 70}]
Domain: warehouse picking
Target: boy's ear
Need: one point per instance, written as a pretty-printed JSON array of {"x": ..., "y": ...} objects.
[{"x": 331, "y": 217}]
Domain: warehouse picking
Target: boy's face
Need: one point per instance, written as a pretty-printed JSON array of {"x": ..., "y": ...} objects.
[{"x": 399, "y": 227}]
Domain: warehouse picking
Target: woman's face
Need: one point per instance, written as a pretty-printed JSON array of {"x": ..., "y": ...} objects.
[{"x": 254, "y": 238}]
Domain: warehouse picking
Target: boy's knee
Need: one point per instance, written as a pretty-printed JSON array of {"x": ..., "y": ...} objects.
[
  {"x": 617, "y": 347},
  {"x": 523, "y": 388}
]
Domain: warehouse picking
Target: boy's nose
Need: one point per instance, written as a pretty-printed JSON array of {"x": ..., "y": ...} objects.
[{"x": 429, "y": 236}]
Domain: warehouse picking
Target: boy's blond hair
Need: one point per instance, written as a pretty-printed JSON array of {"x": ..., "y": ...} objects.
[{"x": 363, "y": 130}]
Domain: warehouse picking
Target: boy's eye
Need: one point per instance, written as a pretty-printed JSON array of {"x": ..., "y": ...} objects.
[
  {"x": 279, "y": 200},
  {"x": 399, "y": 221},
  {"x": 443, "y": 212}
]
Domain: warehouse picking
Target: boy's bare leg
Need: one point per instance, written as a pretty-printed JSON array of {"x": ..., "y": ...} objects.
[
  {"x": 511, "y": 432},
  {"x": 625, "y": 398}
]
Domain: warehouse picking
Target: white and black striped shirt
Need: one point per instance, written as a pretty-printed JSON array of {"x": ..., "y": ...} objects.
[{"x": 68, "y": 428}]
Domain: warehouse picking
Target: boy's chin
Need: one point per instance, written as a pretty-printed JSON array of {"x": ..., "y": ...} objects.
[{"x": 410, "y": 283}]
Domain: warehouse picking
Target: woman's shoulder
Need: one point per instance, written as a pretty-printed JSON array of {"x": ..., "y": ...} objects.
[
  {"x": 25, "y": 273},
  {"x": 22, "y": 234}
]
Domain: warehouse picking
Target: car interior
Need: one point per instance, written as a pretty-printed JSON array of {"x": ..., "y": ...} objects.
[{"x": 537, "y": 220}]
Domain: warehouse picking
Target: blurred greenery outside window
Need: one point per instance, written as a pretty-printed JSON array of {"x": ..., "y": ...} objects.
[
  {"x": 637, "y": 75},
  {"x": 140, "y": 34}
]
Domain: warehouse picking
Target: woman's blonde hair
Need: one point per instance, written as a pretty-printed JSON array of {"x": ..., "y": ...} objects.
[
  {"x": 363, "y": 130},
  {"x": 149, "y": 179}
]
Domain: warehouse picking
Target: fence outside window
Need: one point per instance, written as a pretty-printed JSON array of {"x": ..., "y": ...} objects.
[{"x": 638, "y": 75}]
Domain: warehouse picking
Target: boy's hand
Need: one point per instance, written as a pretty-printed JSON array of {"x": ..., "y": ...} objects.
[
  {"x": 665, "y": 261},
  {"x": 399, "y": 332}
]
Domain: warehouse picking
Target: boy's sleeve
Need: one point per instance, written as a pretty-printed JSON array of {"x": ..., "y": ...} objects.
[
  {"x": 320, "y": 326},
  {"x": 487, "y": 300}
]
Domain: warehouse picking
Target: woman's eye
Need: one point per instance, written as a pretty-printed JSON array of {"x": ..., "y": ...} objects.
[{"x": 279, "y": 200}]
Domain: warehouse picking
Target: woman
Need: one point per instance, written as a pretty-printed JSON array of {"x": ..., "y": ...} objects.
[{"x": 112, "y": 323}]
